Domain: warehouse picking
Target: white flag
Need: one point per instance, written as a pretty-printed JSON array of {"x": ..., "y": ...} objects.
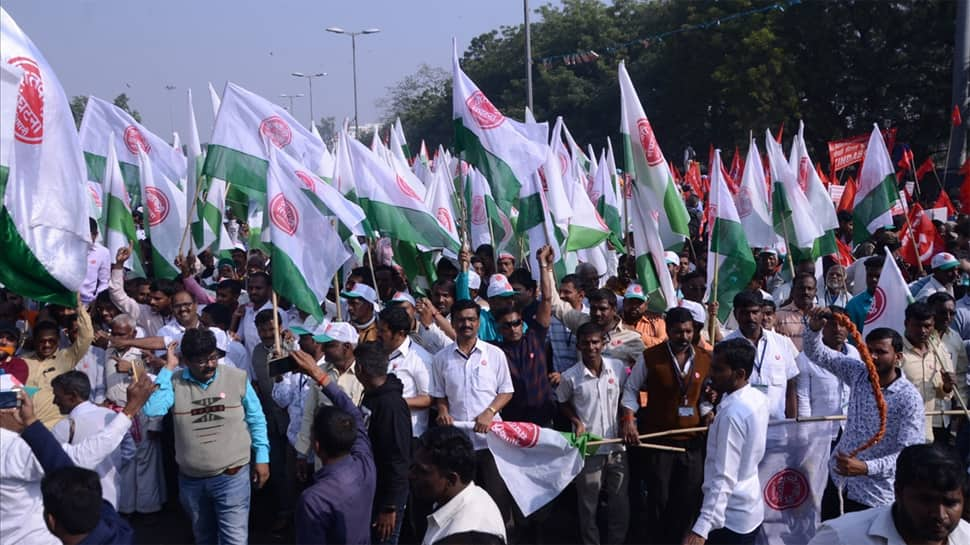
[
  {"x": 165, "y": 217},
  {"x": 890, "y": 300}
]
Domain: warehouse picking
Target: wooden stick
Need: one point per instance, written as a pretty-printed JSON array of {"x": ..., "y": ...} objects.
[
  {"x": 336, "y": 283},
  {"x": 276, "y": 326},
  {"x": 188, "y": 222},
  {"x": 650, "y": 435},
  {"x": 661, "y": 447}
]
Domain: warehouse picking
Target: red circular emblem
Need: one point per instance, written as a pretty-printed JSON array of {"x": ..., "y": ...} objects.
[
  {"x": 803, "y": 166},
  {"x": 29, "y": 127},
  {"x": 307, "y": 180},
  {"x": 878, "y": 306},
  {"x": 277, "y": 130},
  {"x": 520, "y": 434},
  {"x": 135, "y": 140},
  {"x": 563, "y": 163},
  {"x": 483, "y": 111},
  {"x": 649, "y": 143},
  {"x": 478, "y": 210},
  {"x": 406, "y": 189},
  {"x": 283, "y": 214},
  {"x": 158, "y": 206},
  {"x": 786, "y": 489},
  {"x": 444, "y": 218},
  {"x": 743, "y": 202}
]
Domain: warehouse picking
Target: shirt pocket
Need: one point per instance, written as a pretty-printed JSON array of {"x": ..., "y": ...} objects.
[
  {"x": 483, "y": 378},
  {"x": 774, "y": 373}
]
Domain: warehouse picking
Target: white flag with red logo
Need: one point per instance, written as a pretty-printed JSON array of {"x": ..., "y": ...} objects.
[
  {"x": 165, "y": 217},
  {"x": 236, "y": 153},
  {"x": 793, "y": 475},
  {"x": 306, "y": 247},
  {"x": 536, "y": 463},
  {"x": 44, "y": 213},
  {"x": 890, "y": 300},
  {"x": 441, "y": 198},
  {"x": 102, "y": 120}
]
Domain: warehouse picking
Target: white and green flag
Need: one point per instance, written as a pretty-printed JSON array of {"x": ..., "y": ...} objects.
[
  {"x": 484, "y": 217},
  {"x": 602, "y": 192},
  {"x": 877, "y": 194},
  {"x": 103, "y": 119},
  {"x": 208, "y": 227},
  {"x": 326, "y": 162},
  {"x": 441, "y": 199},
  {"x": 890, "y": 300},
  {"x": 729, "y": 257},
  {"x": 194, "y": 157},
  {"x": 306, "y": 249},
  {"x": 791, "y": 213},
  {"x": 490, "y": 142},
  {"x": 819, "y": 200},
  {"x": 44, "y": 214},
  {"x": 586, "y": 228},
  {"x": 119, "y": 227},
  {"x": 392, "y": 206},
  {"x": 236, "y": 153},
  {"x": 751, "y": 202},
  {"x": 165, "y": 217},
  {"x": 660, "y": 194}
]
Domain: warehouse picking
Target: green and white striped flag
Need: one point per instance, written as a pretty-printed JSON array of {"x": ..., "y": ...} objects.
[
  {"x": 392, "y": 206},
  {"x": 44, "y": 213},
  {"x": 482, "y": 211},
  {"x": 602, "y": 192},
  {"x": 790, "y": 211},
  {"x": 236, "y": 153},
  {"x": 102, "y": 119},
  {"x": 649, "y": 166},
  {"x": 877, "y": 194},
  {"x": 305, "y": 247},
  {"x": 165, "y": 217},
  {"x": 729, "y": 255},
  {"x": 490, "y": 142},
  {"x": 751, "y": 202},
  {"x": 586, "y": 228},
  {"x": 119, "y": 227},
  {"x": 326, "y": 162},
  {"x": 819, "y": 200}
]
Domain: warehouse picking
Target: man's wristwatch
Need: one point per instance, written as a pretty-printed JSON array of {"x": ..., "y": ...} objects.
[{"x": 489, "y": 408}]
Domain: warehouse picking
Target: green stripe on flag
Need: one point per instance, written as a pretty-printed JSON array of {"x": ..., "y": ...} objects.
[
  {"x": 505, "y": 187},
  {"x": 293, "y": 285},
  {"x": 162, "y": 268},
  {"x": 20, "y": 270},
  {"x": 243, "y": 171},
  {"x": 874, "y": 204},
  {"x": 583, "y": 237},
  {"x": 735, "y": 263},
  {"x": 117, "y": 222},
  {"x": 96, "y": 165},
  {"x": 530, "y": 213},
  {"x": 407, "y": 224},
  {"x": 650, "y": 282}
]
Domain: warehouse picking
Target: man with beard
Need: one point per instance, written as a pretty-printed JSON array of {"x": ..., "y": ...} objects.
[
  {"x": 835, "y": 293},
  {"x": 774, "y": 367},
  {"x": 648, "y": 324},
  {"x": 435, "y": 329},
  {"x": 790, "y": 319},
  {"x": 858, "y": 307},
  {"x": 186, "y": 316},
  {"x": 260, "y": 290},
  {"x": 673, "y": 375},
  {"x": 927, "y": 364},
  {"x": 362, "y": 306},
  {"x": 930, "y": 492},
  {"x": 157, "y": 312}
]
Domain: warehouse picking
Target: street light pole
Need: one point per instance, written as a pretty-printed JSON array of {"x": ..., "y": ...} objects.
[
  {"x": 291, "y": 97},
  {"x": 309, "y": 80},
  {"x": 528, "y": 57},
  {"x": 353, "y": 52}
]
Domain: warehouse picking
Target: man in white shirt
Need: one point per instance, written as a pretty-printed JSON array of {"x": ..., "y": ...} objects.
[
  {"x": 470, "y": 382},
  {"x": 442, "y": 472},
  {"x": 217, "y": 317},
  {"x": 409, "y": 362},
  {"x": 85, "y": 419},
  {"x": 259, "y": 287},
  {"x": 733, "y": 507},
  {"x": 589, "y": 394},
  {"x": 930, "y": 495},
  {"x": 774, "y": 365},
  {"x": 99, "y": 268}
]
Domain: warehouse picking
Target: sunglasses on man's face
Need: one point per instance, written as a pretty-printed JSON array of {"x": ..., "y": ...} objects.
[{"x": 513, "y": 323}]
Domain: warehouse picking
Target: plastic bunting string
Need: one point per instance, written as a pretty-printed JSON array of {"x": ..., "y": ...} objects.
[{"x": 589, "y": 55}]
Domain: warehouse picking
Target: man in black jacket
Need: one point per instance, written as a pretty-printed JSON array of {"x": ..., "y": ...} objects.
[{"x": 389, "y": 427}]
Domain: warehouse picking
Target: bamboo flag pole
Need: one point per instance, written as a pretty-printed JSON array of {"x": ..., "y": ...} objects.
[
  {"x": 188, "y": 218},
  {"x": 336, "y": 282},
  {"x": 788, "y": 248},
  {"x": 277, "y": 345},
  {"x": 712, "y": 319}
]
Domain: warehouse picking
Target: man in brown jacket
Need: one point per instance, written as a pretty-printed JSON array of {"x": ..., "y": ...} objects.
[{"x": 673, "y": 375}]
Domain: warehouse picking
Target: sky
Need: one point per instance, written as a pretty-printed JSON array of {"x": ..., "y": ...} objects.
[{"x": 107, "y": 47}]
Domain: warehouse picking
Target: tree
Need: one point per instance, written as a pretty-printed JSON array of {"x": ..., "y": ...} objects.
[
  {"x": 327, "y": 126},
  {"x": 423, "y": 102},
  {"x": 80, "y": 102}
]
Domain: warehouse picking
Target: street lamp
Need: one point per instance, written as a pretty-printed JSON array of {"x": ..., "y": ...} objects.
[
  {"x": 309, "y": 81},
  {"x": 291, "y": 97},
  {"x": 353, "y": 47}
]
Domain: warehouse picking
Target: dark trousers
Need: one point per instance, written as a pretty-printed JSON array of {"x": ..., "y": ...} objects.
[
  {"x": 674, "y": 495},
  {"x": 830, "y": 503},
  {"x": 723, "y": 536}
]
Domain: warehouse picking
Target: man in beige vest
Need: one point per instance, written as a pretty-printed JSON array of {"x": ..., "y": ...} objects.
[{"x": 218, "y": 421}]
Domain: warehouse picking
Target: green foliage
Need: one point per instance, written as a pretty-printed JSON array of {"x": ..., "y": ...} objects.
[
  {"x": 327, "y": 126},
  {"x": 840, "y": 66},
  {"x": 121, "y": 101},
  {"x": 79, "y": 103}
]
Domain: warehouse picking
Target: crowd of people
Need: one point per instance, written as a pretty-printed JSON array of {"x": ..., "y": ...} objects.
[{"x": 369, "y": 425}]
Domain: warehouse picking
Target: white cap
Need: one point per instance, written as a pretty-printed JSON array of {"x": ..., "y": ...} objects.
[
  {"x": 696, "y": 310},
  {"x": 337, "y": 331},
  {"x": 222, "y": 340},
  {"x": 474, "y": 281},
  {"x": 403, "y": 297},
  {"x": 672, "y": 258},
  {"x": 361, "y": 291},
  {"x": 499, "y": 286}
]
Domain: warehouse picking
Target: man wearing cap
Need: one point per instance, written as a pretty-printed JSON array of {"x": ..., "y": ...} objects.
[
  {"x": 945, "y": 271},
  {"x": 218, "y": 420},
  {"x": 673, "y": 265},
  {"x": 673, "y": 375},
  {"x": 474, "y": 289},
  {"x": 9, "y": 342},
  {"x": 769, "y": 271},
  {"x": 506, "y": 264},
  {"x": 622, "y": 342},
  {"x": 649, "y": 325},
  {"x": 701, "y": 327},
  {"x": 362, "y": 306},
  {"x": 338, "y": 340}
]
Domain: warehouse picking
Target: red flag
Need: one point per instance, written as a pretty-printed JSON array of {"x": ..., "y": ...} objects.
[
  {"x": 956, "y": 117},
  {"x": 928, "y": 241},
  {"x": 781, "y": 131},
  {"x": 844, "y": 255},
  {"x": 675, "y": 173},
  {"x": 693, "y": 178},
  {"x": 821, "y": 174},
  {"x": 943, "y": 201},
  {"x": 906, "y": 161},
  {"x": 848, "y": 196},
  {"x": 925, "y": 168}
]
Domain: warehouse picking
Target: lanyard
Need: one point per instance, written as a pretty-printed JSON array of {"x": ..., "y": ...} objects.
[
  {"x": 684, "y": 377},
  {"x": 761, "y": 360}
]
